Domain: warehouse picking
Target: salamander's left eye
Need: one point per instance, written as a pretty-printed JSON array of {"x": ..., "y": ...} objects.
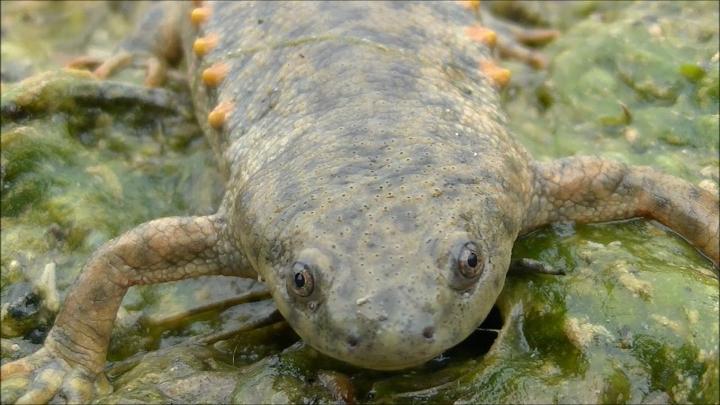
[
  {"x": 302, "y": 282},
  {"x": 468, "y": 262},
  {"x": 462, "y": 259}
]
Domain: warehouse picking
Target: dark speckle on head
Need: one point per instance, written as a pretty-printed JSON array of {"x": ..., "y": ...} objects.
[
  {"x": 695, "y": 194},
  {"x": 352, "y": 341},
  {"x": 428, "y": 332},
  {"x": 660, "y": 201}
]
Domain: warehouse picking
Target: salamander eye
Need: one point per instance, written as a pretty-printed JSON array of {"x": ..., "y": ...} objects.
[
  {"x": 302, "y": 282},
  {"x": 468, "y": 261}
]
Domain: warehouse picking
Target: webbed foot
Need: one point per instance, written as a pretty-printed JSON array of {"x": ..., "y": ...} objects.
[
  {"x": 156, "y": 71},
  {"x": 512, "y": 40},
  {"x": 516, "y": 42},
  {"x": 153, "y": 45},
  {"x": 44, "y": 376}
]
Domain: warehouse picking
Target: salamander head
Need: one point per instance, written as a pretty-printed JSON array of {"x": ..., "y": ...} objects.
[{"x": 387, "y": 286}]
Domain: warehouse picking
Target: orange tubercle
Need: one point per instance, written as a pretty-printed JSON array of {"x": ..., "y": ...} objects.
[
  {"x": 199, "y": 15},
  {"x": 482, "y": 35},
  {"x": 215, "y": 74},
  {"x": 500, "y": 76},
  {"x": 205, "y": 44},
  {"x": 219, "y": 114},
  {"x": 470, "y": 4}
]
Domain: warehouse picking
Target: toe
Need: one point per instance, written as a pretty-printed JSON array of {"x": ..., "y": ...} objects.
[
  {"x": 113, "y": 64},
  {"x": 156, "y": 72},
  {"x": 78, "y": 389},
  {"x": 37, "y": 395},
  {"x": 44, "y": 387},
  {"x": 102, "y": 385},
  {"x": 536, "y": 36},
  {"x": 84, "y": 62},
  {"x": 12, "y": 389},
  {"x": 17, "y": 368}
]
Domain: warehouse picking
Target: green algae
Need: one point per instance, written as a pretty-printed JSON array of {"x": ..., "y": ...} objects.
[
  {"x": 632, "y": 85},
  {"x": 57, "y": 172},
  {"x": 633, "y": 320},
  {"x": 648, "y": 288}
]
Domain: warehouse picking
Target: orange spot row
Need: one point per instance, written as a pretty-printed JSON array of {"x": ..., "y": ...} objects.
[
  {"x": 500, "y": 76},
  {"x": 482, "y": 35},
  {"x": 470, "y": 4},
  {"x": 203, "y": 45},
  {"x": 199, "y": 15},
  {"x": 215, "y": 74},
  {"x": 220, "y": 114}
]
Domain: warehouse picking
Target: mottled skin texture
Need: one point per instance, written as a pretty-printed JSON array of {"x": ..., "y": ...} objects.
[
  {"x": 367, "y": 139},
  {"x": 363, "y": 142},
  {"x": 589, "y": 189}
]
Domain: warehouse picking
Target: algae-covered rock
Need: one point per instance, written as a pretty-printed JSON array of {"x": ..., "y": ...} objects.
[
  {"x": 177, "y": 375},
  {"x": 633, "y": 320},
  {"x": 638, "y": 83},
  {"x": 292, "y": 377}
]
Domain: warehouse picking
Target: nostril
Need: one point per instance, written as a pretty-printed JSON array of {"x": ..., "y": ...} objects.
[
  {"x": 352, "y": 341},
  {"x": 428, "y": 332}
]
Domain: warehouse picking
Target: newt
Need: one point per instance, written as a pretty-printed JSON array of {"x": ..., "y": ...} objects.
[{"x": 371, "y": 183}]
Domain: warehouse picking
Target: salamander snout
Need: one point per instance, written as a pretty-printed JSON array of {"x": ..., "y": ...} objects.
[
  {"x": 353, "y": 340},
  {"x": 381, "y": 327}
]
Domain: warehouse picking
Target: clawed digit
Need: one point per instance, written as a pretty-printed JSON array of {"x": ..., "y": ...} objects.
[
  {"x": 41, "y": 377},
  {"x": 15, "y": 369},
  {"x": 43, "y": 387},
  {"x": 78, "y": 388}
]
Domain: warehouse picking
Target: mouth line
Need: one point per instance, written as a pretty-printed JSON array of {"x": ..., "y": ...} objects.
[{"x": 377, "y": 365}]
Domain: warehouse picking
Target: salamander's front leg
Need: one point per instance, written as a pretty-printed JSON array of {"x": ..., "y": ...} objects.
[
  {"x": 74, "y": 351},
  {"x": 589, "y": 189}
]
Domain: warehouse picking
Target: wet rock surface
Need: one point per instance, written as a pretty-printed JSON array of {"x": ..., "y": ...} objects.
[{"x": 633, "y": 320}]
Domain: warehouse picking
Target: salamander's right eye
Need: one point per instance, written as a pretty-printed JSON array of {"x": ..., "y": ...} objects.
[
  {"x": 302, "y": 282},
  {"x": 469, "y": 263},
  {"x": 466, "y": 265}
]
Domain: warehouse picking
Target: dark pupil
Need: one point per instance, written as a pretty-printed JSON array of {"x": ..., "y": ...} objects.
[
  {"x": 471, "y": 261},
  {"x": 299, "y": 280}
]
